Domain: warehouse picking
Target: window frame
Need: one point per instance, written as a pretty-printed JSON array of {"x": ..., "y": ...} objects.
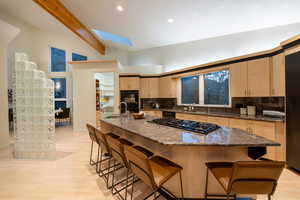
[{"x": 201, "y": 90}]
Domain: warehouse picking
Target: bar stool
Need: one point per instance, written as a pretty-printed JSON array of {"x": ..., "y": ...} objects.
[
  {"x": 245, "y": 177},
  {"x": 117, "y": 150},
  {"x": 154, "y": 172},
  {"x": 91, "y": 130},
  {"x": 105, "y": 155}
]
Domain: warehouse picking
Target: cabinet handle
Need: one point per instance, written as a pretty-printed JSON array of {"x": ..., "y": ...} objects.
[
  {"x": 245, "y": 92},
  {"x": 249, "y": 92},
  {"x": 273, "y": 91}
]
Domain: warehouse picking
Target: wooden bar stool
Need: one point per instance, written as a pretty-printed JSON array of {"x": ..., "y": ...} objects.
[
  {"x": 154, "y": 172},
  {"x": 91, "y": 130},
  {"x": 117, "y": 150},
  {"x": 105, "y": 155},
  {"x": 245, "y": 177}
]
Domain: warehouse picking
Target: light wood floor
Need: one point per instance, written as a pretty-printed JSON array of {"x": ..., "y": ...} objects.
[{"x": 69, "y": 177}]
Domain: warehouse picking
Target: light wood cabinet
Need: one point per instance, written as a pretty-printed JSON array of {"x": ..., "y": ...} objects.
[
  {"x": 129, "y": 83},
  {"x": 278, "y": 75},
  {"x": 251, "y": 78},
  {"x": 259, "y": 74},
  {"x": 271, "y": 130},
  {"x": 149, "y": 87},
  {"x": 221, "y": 121},
  {"x": 154, "y": 113},
  {"x": 238, "y": 79},
  {"x": 197, "y": 118},
  {"x": 167, "y": 87}
]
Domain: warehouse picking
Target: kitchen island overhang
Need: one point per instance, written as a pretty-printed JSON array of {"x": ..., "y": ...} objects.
[{"x": 190, "y": 150}]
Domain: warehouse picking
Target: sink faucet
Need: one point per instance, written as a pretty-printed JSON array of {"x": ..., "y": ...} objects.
[{"x": 126, "y": 111}]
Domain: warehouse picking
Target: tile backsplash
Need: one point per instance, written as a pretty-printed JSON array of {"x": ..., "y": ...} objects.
[
  {"x": 261, "y": 103},
  {"x": 164, "y": 103}
]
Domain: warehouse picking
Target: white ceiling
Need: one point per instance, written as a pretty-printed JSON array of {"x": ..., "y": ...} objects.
[{"x": 145, "y": 21}]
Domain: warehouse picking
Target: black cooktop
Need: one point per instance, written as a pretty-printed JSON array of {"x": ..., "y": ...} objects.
[{"x": 188, "y": 125}]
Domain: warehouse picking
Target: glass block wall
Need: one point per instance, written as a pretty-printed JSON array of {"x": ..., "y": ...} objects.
[{"x": 34, "y": 120}]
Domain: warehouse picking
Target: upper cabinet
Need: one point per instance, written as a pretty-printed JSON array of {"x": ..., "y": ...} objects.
[
  {"x": 167, "y": 87},
  {"x": 251, "y": 78},
  {"x": 278, "y": 75},
  {"x": 238, "y": 79},
  {"x": 129, "y": 83},
  {"x": 149, "y": 87},
  {"x": 259, "y": 74}
]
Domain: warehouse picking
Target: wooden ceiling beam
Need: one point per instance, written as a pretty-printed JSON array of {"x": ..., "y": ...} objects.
[{"x": 61, "y": 13}]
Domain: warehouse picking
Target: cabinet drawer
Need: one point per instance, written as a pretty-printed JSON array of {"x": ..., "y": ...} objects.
[
  {"x": 197, "y": 118},
  {"x": 221, "y": 121}
]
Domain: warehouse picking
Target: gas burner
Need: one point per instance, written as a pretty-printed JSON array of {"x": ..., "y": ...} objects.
[{"x": 188, "y": 125}]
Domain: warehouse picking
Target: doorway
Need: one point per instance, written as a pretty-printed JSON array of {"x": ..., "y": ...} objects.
[{"x": 105, "y": 95}]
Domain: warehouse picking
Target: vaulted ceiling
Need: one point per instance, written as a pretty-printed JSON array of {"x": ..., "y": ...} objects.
[{"x": 145, "y": 22}]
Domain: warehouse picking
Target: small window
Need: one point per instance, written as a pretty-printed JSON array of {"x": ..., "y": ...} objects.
[
  {"x": 216, "y": 88},
  {"x": 58, "y": 60},
  {"x": 60, "y": 104},
  {"x": 190, "y": 90},
  {"x": 60, "y": 88},
  {"x": 78, "y": 57}
]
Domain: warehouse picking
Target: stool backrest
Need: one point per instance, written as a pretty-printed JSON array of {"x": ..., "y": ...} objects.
[
  {"x": 255, "y": 177},
  {"x": 91, "y": 130},
  {"x": 102, "y": 141},
  {"x": 117, "y": 150},
  {"x": 139, "y": 164}
]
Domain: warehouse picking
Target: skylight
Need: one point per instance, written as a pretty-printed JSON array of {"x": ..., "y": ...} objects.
[{"x": 114, "y": 38}]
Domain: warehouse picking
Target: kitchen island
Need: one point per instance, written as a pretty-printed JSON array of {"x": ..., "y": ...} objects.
[{"x": 188, "y": 149}]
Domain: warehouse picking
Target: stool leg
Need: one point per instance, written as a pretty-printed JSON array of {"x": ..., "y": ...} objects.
[
  {"x": 91, "y": 154},
  {"x": 113, "y": 176},
  {"x": 206, "y": 183},
  {"x": 181, "y": 187},
  {"x": 269, "y": 197},
  {"x": 97, "y": 160},
  {"x": 127, "y": 174},
  {"x": 98, "y": 166},
  {"x": 132, "y": 187}
]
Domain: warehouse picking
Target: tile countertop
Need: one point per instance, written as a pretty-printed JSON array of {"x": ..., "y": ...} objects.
[
  {"x": 223, "y": 136},
  {"x": 228, "y": 115}
]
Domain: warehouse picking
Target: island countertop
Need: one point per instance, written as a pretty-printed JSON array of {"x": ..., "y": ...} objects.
[{"x": 224, "y": 136}]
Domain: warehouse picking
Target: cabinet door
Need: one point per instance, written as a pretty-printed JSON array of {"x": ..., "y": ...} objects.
[
  {"x": 167, "y": 87},
  {"x": 259, "y": 71},
  {"x": 144, "y": 86},
  {"x": 240, "y": 124},
  {"x": 278, "y": 75},
  {"x": 221, "y": 121},
  {"x": 238, "y": 79},
  {"x": 197, "y": 118},
  {"x": 153, "y": 88},
  {"x": 129, "y": 83},
  {"x": 267, "y": 130}
]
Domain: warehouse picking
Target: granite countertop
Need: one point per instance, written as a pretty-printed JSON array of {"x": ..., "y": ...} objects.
[
  {"x": 228, "y": 115},
  {"x": 223, "y": 136}
]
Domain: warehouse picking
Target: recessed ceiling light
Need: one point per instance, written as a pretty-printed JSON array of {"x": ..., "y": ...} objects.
[
  {"x": 119, "y": 8},
  {"x": 170, "y": 20}
]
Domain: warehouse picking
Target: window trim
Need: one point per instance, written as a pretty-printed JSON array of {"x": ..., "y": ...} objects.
[{"x": 201, "y": 92}]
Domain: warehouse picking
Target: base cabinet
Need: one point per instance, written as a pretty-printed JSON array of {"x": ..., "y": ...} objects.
[
  {"x": 271, "y": 130},
  {"x": 153, "y": 113}
]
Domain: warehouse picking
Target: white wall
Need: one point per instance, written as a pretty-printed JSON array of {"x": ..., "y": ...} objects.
[{"x": 203, "y": 51}]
